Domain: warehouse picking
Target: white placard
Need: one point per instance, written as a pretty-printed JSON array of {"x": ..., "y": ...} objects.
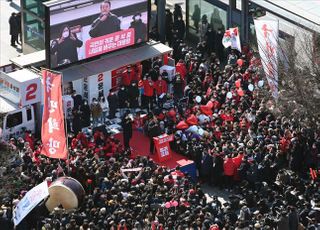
[{"x": 30, "y": 201}]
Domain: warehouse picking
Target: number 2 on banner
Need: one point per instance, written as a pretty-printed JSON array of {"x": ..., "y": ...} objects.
[{"x": 31, "y": 89}]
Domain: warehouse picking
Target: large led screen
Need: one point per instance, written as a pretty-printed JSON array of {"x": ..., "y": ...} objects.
[{"x": 81, "y": 29}]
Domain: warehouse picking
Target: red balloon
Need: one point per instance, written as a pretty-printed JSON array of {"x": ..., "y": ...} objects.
[
  {"x": 210, "y": 104},
  {"x": 240, "y": 62},
  {"x": 238, "y": 83},
  {"x": 240, "y": 92}
]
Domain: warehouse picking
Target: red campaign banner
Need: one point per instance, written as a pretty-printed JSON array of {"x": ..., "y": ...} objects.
[
  {"x": 53, "y": 131},
  {"x": 109, "y": 42},
  {"x": 162, "y": 147}
]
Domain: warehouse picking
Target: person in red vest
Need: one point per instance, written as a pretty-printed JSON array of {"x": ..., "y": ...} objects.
[
  {"x": 182, "y": 69},
  {"x": 127, "y": 76},
  {"x": 137, "y": 70},
  {"x": 228, "y": 168},
  {"x": 29, "y": 138},
  {"x": 161, "y": 90},
  {"x": 148, "y": 88}
]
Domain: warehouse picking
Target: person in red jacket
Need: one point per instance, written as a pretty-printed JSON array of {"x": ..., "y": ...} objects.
[
  {"x": 182, "y": 69},
  {"x": 127, "y": 76},
  {"x": 228, "y": 168},
  {"x": 148, "y": 89},
  {"x": 161, "y": 90}
]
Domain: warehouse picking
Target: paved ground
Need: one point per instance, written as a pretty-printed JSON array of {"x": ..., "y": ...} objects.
[{"x": 6, "y": 51}]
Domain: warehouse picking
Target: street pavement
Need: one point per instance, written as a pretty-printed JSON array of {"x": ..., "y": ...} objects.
[{"x": 6, "y": 50}]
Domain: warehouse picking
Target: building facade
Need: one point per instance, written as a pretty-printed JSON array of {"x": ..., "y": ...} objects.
[{"x": 33, "y": 25}]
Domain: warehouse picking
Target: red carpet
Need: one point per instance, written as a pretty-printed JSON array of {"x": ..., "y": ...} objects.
[{"x": 140, "y": 147}]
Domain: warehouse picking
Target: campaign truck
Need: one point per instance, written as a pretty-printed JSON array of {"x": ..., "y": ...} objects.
[{"x": 20, "y": 101}]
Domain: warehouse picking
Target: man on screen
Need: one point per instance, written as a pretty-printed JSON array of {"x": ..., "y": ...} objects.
[{"x": 106, "y": 23}]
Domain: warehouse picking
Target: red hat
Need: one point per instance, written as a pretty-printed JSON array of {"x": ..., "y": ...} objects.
[
  {"x": 206, "y": 110},
  {"x": 192, "y": 120},
  {"x": 182, "y": 125}
]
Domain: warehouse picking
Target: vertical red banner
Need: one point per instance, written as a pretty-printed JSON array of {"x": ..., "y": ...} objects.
[{"x": 53, "y": 134}]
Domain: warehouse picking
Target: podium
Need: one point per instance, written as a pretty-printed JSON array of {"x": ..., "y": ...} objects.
[{"x": 163, "y": 150}]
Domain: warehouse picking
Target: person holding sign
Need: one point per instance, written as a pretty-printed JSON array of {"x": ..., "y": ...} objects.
[{"x": 106, "y": 23}]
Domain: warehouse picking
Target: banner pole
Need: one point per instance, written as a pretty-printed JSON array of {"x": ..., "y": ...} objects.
[{"x": 65, "y": 129}]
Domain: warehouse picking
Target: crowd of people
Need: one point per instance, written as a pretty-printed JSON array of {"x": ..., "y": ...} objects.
[{"x": 267, "y": 162}]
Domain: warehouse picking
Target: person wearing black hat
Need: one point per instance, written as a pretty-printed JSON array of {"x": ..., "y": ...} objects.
[{"x": 140, "y": 28}]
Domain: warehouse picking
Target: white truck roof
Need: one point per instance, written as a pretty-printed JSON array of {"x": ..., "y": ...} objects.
[
  {"x": 7, "y": 106},
  {"x": 23, "y": 75}
]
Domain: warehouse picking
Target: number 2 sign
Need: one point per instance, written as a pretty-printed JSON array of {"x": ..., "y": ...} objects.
[{"x": 30, "y": 92}]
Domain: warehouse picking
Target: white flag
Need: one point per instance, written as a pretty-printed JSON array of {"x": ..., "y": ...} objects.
[
  {"x": 231, "y": 38},
  {"x": 267, "y": 37}
]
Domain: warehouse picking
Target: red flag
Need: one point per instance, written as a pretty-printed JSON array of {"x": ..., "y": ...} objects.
[{"x": 53, "y": 132}]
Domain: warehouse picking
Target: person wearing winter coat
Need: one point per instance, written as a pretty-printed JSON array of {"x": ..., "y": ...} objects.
[
  {"x": 140, "y": 28},
  {"x": 196, "y": 17},
  {"x": 126, "y": 124},
  {"x": 76, "y": 121},
  {"x": 148, "y": 89},
  {"x": 206, "y": 165},
  {"x": 96, "y": 112},
  {"x": 161, "y": 90},
  {"x": 127, "y": 76},
  {"x": 123, "y": 99},
  {"x": 133, "y": 94},
  {"x": 181, "y": 69},
  {"x": 104, "y": 106},
  {"x": 180, "y": 26},
  {"x": 153, "y": 129},
  {"x": 203, "y": 28},
  {"x": 228, "y": 169},
  {"x": 14, "y": 29},
  {"x": 178, "y": 87},
  {"x": 85, "y": 114},
  {"x": 113, "y": 103}
]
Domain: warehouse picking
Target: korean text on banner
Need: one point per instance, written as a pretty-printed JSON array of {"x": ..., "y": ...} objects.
[
  {"x": 231, "y": 38},
  {"x": 267, "y": 36},
  {"x": 53, "y": 130},
  {"x": 110, "y": 42},
  {"x": 30, "y": 201}
]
